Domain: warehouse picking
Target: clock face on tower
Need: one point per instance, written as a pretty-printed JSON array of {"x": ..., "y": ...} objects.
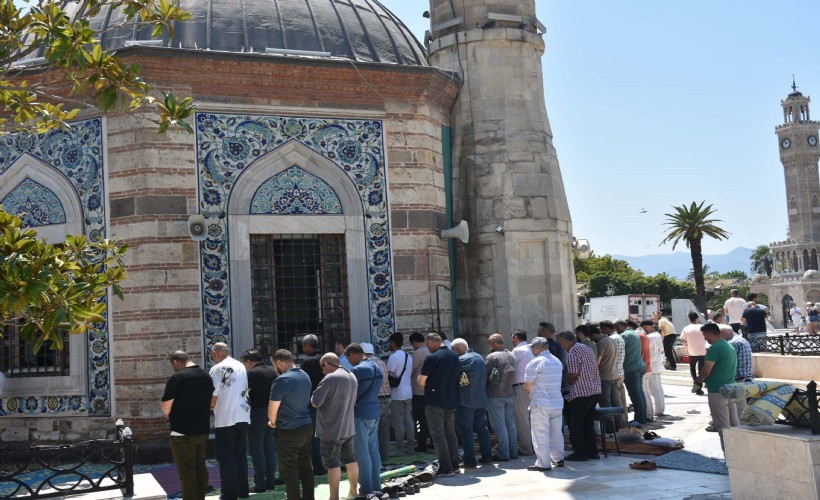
[
  {"x": 812, "y": 140},
  {"x": 786, "y": 143}
]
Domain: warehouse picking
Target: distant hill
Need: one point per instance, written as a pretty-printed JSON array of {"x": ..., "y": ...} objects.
[{"x": 679, "y": 264}]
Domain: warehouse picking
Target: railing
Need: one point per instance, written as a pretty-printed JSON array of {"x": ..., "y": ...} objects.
[
  {"x": 802, "y": 409},
  {"x": 74, "y": 469},
  {"x": 796, "y": 345}
]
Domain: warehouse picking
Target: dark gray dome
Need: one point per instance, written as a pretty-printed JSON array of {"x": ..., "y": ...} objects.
[{"x": 359, "y": 30}]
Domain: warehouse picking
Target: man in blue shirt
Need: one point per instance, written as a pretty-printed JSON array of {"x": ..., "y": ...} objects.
[
  {"x": 289, "y": 415},
  {"x": 366, "y": 418},
  {"x": 472, "y": 404},
  {"x": 439, "y": 377}
]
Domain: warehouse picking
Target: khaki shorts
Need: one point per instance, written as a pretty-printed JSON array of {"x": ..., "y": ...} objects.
[{"x": 336, "y": 453}]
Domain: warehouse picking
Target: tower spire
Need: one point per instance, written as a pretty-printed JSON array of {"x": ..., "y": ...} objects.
[{"x": 794, "y": 85}]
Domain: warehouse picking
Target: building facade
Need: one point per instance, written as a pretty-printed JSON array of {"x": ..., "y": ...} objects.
[
  {"x": 328, "y": 154},
  {"x": 795, "y": 277}
]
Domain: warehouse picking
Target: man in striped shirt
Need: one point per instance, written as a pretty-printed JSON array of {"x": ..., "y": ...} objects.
[
  {"x": 608, "y": 329},
  {"x": 585, "y": 389}
]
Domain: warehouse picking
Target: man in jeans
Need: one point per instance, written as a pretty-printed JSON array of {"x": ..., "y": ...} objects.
[
  {"x": 400, "y": 366},
  {"x": 472, "y": 405},
  {"x": 261, "y": 438},
  {"x": 439, "y": 378},
  {"x": 366, "y": 413},
  {"x": 334, "y": 399},
  {"x": 385, "y": 405},
  {"x": 634, "y": 368},
  {"x": 185, "y": 404},
  {"x": 232, "y": 414},
  {"x": 501, "y": 373},
  {"x": 288, "y": 413},
  {"x": 523, "y": 355},
  {"x": 608, "y": 371},
  {"x": 420, "y": 353},
  {"x": 754, "y": 317}
]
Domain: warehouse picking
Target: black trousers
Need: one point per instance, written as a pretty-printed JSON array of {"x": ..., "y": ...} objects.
[
  {"x": 233, "y": 460},
  {"x": 669, "y": 350},
  {"x": 581, "y": 419},
  {"x": 420, "y": 419},
  {"x": 696, "y": 360},
  {"x": 293, "y": 447}
]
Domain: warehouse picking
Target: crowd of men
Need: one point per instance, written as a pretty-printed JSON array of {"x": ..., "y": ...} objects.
[{"x": 338, "y": 409}]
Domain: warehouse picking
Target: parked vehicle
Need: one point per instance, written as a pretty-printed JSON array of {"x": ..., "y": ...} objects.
[{"x": 636, "y": 307}]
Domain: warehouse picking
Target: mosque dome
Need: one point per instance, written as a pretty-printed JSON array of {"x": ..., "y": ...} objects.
[
  {"x": 357, "y": 30},
  {"x": 811, "y": 275}
]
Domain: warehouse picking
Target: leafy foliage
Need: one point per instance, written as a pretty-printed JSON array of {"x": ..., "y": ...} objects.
[
  {"x": 77, "y": 65},
  {"x": 690, "y": 224},
  {"x": 55, "y": 288},
  {"x": 762, "y": 260}
]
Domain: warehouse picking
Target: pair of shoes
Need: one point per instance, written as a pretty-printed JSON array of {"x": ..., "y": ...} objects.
[
  {"x": 535, "y": 468},
  {"x": 594, "y": 457},
  {"x": 649, "y": 436},
  {"x": 257, "y": 489},
  {"x": 643, "y": 465},
  {"x": 420, "y": 449},
  {"x": 700, "y": 392},
  {"x": 450, "y": 473},
  {"x": 486, "y": 461},
  {"x": 575, "y": 457},
  {"x": 470, "y": 465},
  {"x": 711, "y": 428},
  {"x": 559, "y": 463},
  {"x": 496, "y": 458}
]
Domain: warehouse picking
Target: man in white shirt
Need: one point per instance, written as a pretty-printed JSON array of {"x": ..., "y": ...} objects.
[
  {"x": 543, "y": 383},
  {"x": 400, "y": 366},
  {"x": 232, "y": 415},
  {"x": 523, "y": 355},
  {"x": 695, "y": 344},
  {"x": 797, "y": 317},
  {"x": 652, "y": 386},
  {"x": 733, "y": 309}
]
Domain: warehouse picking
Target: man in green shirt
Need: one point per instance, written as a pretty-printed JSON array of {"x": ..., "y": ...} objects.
[{"x": 718, "y": 370}]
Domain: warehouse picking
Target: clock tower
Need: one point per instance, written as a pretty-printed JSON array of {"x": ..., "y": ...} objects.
[{"x": 799, "y": 153}]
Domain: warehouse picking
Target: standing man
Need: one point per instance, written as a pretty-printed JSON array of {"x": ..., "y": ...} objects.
[
  {"x": 744, "y": 369},
  {"x": 608, "y": 329},
  {"x": 385, "y": 406},
  {"x": 719, "y": 369},
  {"x": 312, "y": 349},
  {"x": 547, "y": 330},
  {"x": 186, "y": 403},
  {"x": 500, "y": 374},
  {"x": 585, "y": 389},
  {"x": 334, "y": 399},
  {"x": 634, "y": 368},
  {"x": 439, "y": 377},
  {"x": 584, "y": 335},
  {"x": 420, "y": 353},
  {"x": 754, "y": 317},
  {"x": 692, "y": 338},
  {"x": 653, "y": 388},
  {"x": 523, "y": 355},
  {"x": 289, "y": 415},
  {"x": 797, "y": 317},
  {"x": 470, "y": 415},
  {"x": 608, "y": 371},
  {"x": 400, "y": 366},
  {"x": 261, "y": 438},
  {"x": 814, "y": 318},
  {"x": 543, "y": 382},
  {"x": 733, "y": 309},
  {"x": 366, "y": 419},
  {"x": 232, "y": 414},
  {"x": 669, "y": 334}
]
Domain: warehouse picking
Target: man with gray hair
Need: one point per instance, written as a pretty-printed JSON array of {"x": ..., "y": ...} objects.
[
  {"x": 312, "y": 349},
  {"x": 501, "y": 373},
  {"x": 472, "y": 404},
  {"x": 585, "y": 389},
  {"x": 232, "y": 415},
  {"x": 543, "y": 383},
  {"x": 523, "y": 355}
]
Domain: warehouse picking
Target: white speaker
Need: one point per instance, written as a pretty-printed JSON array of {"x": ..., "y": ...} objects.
[
  {"x": 461, "y": 232},
  {"x": 582, "y": 249},
  {"x": 197, "y": 227}
]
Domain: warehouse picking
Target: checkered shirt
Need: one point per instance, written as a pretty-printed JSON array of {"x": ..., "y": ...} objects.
[
  {"x": 620, "y": 347},
  {"x": 581, "y": 360},
  {"x": 744, "y": 356},
  {"x": 385, "y": 388}
]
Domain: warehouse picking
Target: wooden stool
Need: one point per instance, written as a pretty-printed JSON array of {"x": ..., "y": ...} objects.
[{"x": 604, "y": 415}]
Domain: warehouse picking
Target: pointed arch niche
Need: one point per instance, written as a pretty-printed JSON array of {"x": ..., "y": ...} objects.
[
  {"x": 26, "y": 172},
  {"x": 241, "y": 224}
]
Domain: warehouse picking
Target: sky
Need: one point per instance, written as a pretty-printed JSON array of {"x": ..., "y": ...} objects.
[{"x": 655, "y": 104}]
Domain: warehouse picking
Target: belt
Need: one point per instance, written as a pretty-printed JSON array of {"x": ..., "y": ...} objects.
[
  {"x": 382, "y": 397},
  {"x": 516, "y": 385}
]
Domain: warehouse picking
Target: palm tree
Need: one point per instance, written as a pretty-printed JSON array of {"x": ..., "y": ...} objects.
[
  {"x": 762, "y": 260},
  {"x": 691, "y": 224}
]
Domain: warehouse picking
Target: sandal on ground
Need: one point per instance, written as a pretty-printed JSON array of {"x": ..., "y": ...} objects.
[
  {"x": 649, "y": 436},
  {"x": 643, "y": 465}
]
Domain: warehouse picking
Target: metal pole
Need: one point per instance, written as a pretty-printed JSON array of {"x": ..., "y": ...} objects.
[
  {"x": 438, "y": 307},
  {"x": 814, "y": 413}
]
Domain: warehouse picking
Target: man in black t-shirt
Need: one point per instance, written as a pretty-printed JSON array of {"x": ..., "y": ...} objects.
[
  {"x": 754, "y": 317},
  {"x": 186, "y": 404},
  {"x": 439, "y": 377},
  {"x": 261, "y": 438},
  {"x": 310, "y": 365}
]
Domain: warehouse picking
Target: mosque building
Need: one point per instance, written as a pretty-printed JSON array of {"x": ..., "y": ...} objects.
[{"x": 330, "y": 149}]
